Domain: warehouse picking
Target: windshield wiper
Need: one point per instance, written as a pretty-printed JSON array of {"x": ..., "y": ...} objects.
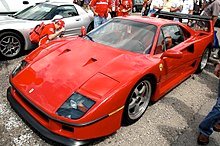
[{"x": 90, "y": 38}]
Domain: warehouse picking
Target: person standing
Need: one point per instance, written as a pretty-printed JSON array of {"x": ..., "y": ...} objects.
[
  {"x": 114, "y": 8},
  {"x": 212, "y": 120},
  {"x": 51, "y": 31},
  {"x": 213, "y": 10},
  {"x": 100, "y": 9},
  {"x": 188, "y": 6},
  {"x": 146, "y": 7},
  {"x": 124, "y": 7},
  {"x": 176, "y": 6},
  {"x": 155, "y": 6}
]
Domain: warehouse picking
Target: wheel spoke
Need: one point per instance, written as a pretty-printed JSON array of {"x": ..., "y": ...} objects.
[
  {"x": 132, "y": 104},
  {"x": 5, "y": 51},
  {"x": 136, "y": 109},
  {"x": 136, "y": 91},
  {"x": 142, "y": 91}
]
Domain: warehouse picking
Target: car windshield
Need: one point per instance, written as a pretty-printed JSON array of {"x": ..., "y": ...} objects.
[
  {"x": 128, "y": 35},
  {"x": 37, "y": 12}
]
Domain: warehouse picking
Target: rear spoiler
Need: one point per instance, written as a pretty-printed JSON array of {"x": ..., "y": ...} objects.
[
  {"x": 203, "y": 22},
  {"x": 184, "y": 16}
]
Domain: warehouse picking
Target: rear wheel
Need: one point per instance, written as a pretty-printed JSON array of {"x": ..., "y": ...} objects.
[
  {"x": 137, "y": 101},
  {"x": 204, "y": 60},
  {"x": 90, "y": 27},
  {"x": 10, "y": 44}
]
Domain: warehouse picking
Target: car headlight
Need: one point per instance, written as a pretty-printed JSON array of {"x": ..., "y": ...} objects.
[
  {"x": 19, "y": 67},
  {"x": 75, "y": 107}
]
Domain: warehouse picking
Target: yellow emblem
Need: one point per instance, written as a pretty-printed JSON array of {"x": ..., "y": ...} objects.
[{"x": 161, "y": 67}]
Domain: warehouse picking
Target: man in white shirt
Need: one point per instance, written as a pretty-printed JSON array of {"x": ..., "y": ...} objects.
[
  {"x": 188, "y": 6},
  {"x": 176, "y": 6},
  {"x": 156, "y": 5}
]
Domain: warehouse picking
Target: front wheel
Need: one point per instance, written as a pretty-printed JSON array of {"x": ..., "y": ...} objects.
[
  {"x": 137, "y": 102},
  {"x": 204, "y": 60},
  {"x": 10, "y": 44}
]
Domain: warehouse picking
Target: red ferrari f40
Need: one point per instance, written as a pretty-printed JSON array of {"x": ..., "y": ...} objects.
[{"x": 80, "y": 88}]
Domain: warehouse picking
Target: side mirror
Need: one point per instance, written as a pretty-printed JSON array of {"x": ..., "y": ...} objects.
[
  {"x": 57, "y": 17},
  {"x": 172, "y": 54},
  {"x": 83, "y": 31}
]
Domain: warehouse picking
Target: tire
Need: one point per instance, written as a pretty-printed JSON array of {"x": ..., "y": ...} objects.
[
  {"x": 137, "y": 102},
  {"x": 90, "y": 27},
  {"x": 10, "y": 44},
  {"x": 204, "y": 60}
]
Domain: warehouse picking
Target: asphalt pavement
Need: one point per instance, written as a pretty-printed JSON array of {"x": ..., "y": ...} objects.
[{"x": 173, "y": 120}]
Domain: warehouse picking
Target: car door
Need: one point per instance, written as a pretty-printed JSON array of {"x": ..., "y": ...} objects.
[
  {"x": 71, "y": 17},
  {"x": 173, "y": 70}
]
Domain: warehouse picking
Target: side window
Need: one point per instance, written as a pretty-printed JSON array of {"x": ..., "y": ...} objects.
[
  {"x": 173, "y": 35},
  {"x": 185, "y": 33},
  {"x": 66, "y": 11},
  {"x": 160, "y": 48}
]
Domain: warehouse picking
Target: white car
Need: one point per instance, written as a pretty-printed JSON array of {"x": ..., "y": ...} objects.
[
  {"x": 15, "y": 29},
  {"x": 12, "y": 6}
]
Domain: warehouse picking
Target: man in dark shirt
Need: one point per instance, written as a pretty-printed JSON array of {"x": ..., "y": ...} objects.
[{"x": 212, "y": 120}]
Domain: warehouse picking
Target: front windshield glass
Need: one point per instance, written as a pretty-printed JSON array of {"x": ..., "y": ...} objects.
[
  {"x": 37, "y": 12},
  {"x": 128, "y": 35}
]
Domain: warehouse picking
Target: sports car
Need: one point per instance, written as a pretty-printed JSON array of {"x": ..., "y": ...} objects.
[
  {"x": 12, "y": 6},
  {"x": 15, "y": 29},
  {"x": 80, "y": 88}
]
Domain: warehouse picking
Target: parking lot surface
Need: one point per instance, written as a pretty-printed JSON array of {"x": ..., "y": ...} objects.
[{"x": 173, "y": 120}]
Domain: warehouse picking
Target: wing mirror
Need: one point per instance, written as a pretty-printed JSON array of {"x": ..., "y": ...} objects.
[
  {"x": 83, "y": 31},
  {"x": 57, "y": 17},
  {"x": 172, "y": 54}
]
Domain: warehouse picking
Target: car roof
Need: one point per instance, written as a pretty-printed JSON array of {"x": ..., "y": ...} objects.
[
  {"x": 151, "y": 20},
  {"x": 59, "y": 3}
]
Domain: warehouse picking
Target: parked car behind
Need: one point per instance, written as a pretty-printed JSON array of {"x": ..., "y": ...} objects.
[
  {"x": 14, "y": 29},
  {"x": 12, "y": 6}
]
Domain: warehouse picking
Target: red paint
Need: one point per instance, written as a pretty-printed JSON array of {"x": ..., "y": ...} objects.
[{"x": 102, "y": 73}]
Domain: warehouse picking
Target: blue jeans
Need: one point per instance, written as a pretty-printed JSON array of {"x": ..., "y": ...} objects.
[
  {"x": 99, "y": 20},
  {"x": 206, "y": 126}
]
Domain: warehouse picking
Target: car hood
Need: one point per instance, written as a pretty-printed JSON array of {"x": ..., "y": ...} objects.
[
  {"x": 79, "y": 64},
  {"x": 10, "y": 19},
  {"x": 10, "y": 22}
]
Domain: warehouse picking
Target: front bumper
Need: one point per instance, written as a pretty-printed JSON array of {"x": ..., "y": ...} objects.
[{"x": 38, "y": 127}]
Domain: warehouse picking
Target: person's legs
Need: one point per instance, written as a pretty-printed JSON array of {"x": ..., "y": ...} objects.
[
  {"x": 206, "y": 126},
  {"x": 103, "y": 20},
  {"x": 97, "y": 21}
]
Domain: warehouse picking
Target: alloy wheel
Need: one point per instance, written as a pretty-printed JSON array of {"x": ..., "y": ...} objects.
[
  {"x": 139, "y": 99},
  {"x": 10, "y": 46}
]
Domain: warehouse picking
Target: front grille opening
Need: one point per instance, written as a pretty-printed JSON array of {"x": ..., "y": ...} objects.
[
  {"x": 67, "y": 128},
  {"x": 33, "y": 108}
]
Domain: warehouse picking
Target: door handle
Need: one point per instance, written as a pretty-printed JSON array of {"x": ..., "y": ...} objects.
[
  {"x": 25, "y": 2},
  {"x": 78, "y": 19}
]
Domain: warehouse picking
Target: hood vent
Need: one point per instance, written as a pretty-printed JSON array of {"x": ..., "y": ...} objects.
[
  {"x": 91, "y": 60},
  {"x": 64, "y": 51}
]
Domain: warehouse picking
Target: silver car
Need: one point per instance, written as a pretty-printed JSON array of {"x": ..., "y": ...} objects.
[{"x": 15, "y": 29}]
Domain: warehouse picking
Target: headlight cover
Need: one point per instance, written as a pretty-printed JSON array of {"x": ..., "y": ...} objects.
[
  {"x": 19, "y": 67},
  {"x": 75, "y": 107}
]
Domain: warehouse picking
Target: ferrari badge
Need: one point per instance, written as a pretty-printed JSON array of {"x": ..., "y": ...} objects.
[{"x": 161, "y": 67}]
